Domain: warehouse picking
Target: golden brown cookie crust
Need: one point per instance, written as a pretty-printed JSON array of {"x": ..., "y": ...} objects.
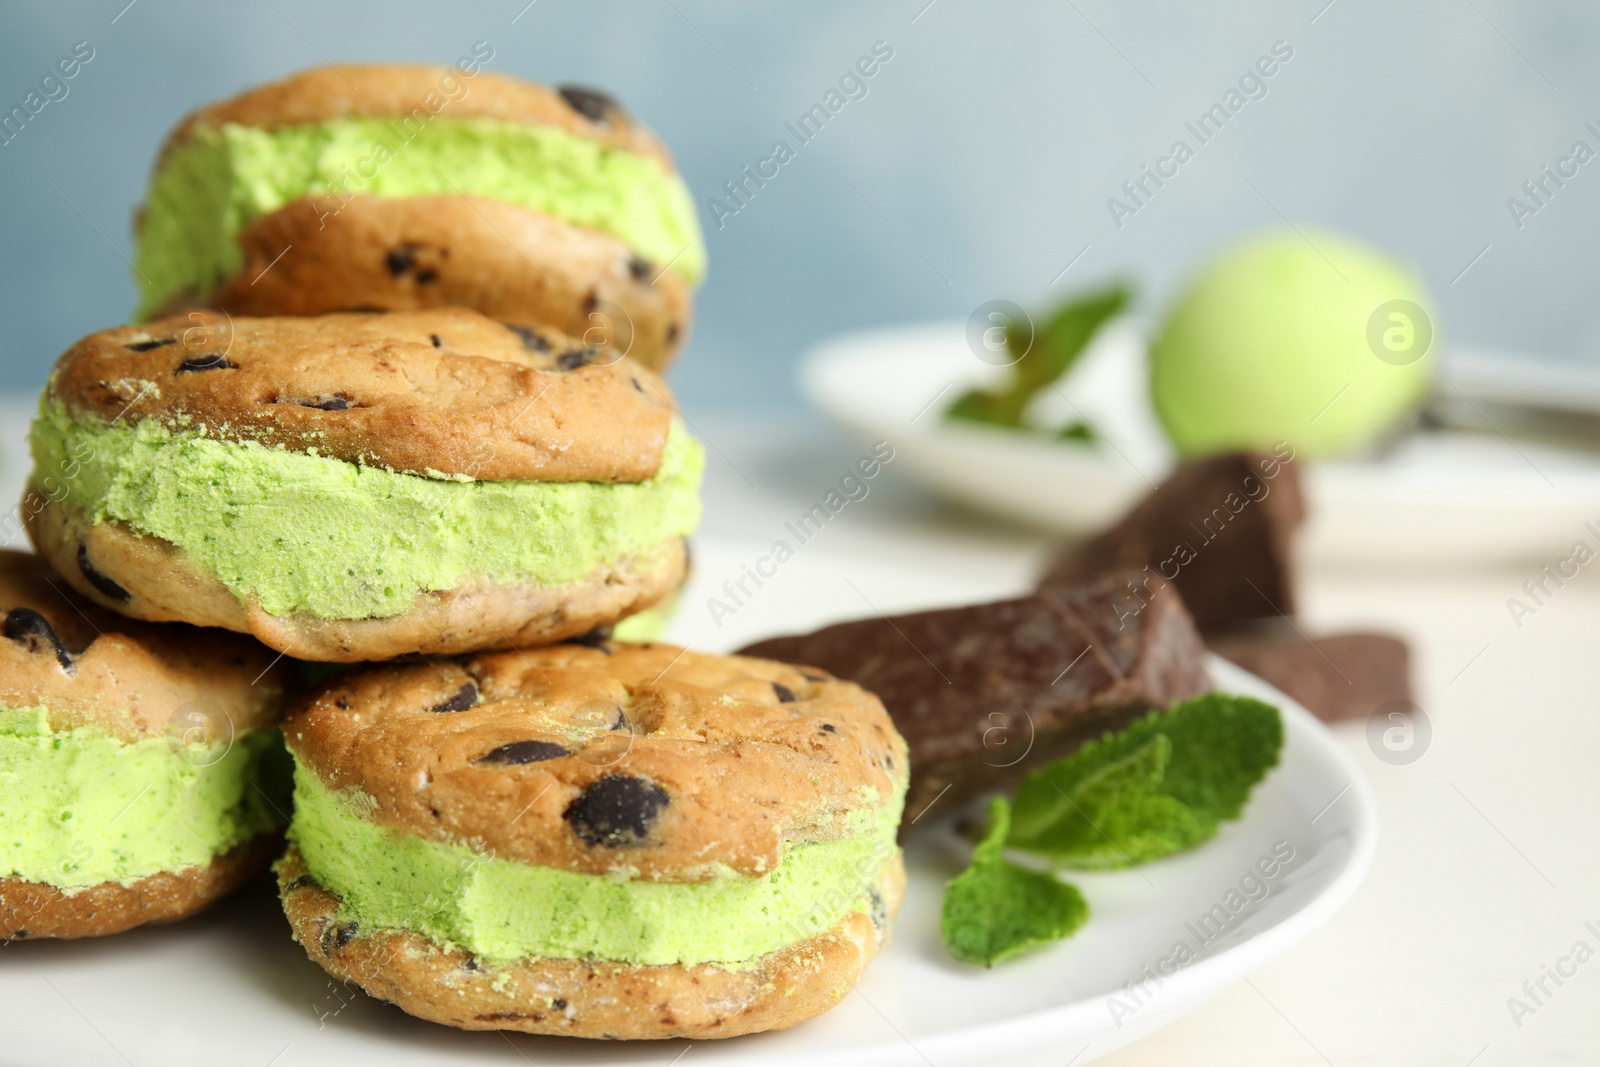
[
  {"x": 724, "y": 759},
  {"x": 325, "y": 94},
  {"x": 588, "y": 998},
  {"x": 164, "y": 584},
  {"x": 321, "y": 255},
  {"x": 125, "y": 677},
  {"x": 445, "y": 391},
  {"x": 33, "y": 910}
]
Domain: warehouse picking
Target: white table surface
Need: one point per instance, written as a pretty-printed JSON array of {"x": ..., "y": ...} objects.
[{"x": 1487, "y": 868}]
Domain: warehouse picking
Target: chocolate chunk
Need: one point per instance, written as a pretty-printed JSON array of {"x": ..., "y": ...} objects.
[
  {"x": 145, "y": 346},
  {"x": 27, "y": 627},
  {"x": 435, "y": 339},
  {"x": 332, "y": 403},
  {"x": 986, "y": 693},
  {"x": 400, "y": 260},
  {"x": 207, "y": 361},
  {"x": 592, "y": 104},
  {"x": 785, "y": 694},
  {"x": 102, "y": 584},
  {"x": 1219, "y": 529},
  {"x": 519, "y": 752},
  {"x": 20, "y": 935},
  {"x": 597, "y": 638},
  {"x": 618, "y": 811},
  {"x": 1334, "y": 676},
  {"x": 638, "y": 268},
  {"x": 337, "y": 936},
  {"x": 466, "y": 697},
  {"x": 532, "y": 340},
  {"x": 577, "y": 357}
]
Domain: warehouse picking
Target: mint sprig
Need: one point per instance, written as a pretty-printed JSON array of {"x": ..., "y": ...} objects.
[
  {"x": 1041, "y": 357},
  {"x": 1163, "y": 784},
  {"x": 996, "y": 909}
]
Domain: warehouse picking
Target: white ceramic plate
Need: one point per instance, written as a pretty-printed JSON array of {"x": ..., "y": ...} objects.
[
  {"x": 230, "y": 987},
  {"x": 1440, "y": 496}
]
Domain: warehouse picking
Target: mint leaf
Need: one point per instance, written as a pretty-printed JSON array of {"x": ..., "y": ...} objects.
[
  {"x": 1042, "y": 357},
  {"x": 996, "y": 909},
  {"x": 1164, "y": 784}
]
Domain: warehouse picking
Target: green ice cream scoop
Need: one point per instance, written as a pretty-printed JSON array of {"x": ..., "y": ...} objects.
[{"x": 1315, "y": 340}]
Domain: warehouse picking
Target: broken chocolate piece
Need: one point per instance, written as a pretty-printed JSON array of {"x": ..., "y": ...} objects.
[
  {"x": 1218, "y": 529},
  {"x": 618, "y": 811},
  {"x": 520, "y": 752},
  {"x": 1334, "y": 676},
  {"x": 986, "y": 693},
  {"x": 27, "y": 627},
  {"x": 102, "y": 584}
]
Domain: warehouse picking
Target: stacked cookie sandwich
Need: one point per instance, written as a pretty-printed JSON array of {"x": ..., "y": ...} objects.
[
  {"x": 408, "y": 187},
  {"x": 395, "y": 401}
]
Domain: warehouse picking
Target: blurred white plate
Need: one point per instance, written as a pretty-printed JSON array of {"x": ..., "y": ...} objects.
[
  {"x": 230, "y": 987},
  {"x": 1439, "y": 496}
]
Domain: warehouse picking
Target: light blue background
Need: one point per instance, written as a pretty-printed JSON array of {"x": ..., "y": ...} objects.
[{"x": 977, "y": 166}]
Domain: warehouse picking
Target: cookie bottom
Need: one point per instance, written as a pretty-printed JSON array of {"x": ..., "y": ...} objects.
[
  {"x": 163, "y": 585},
  {"x": 33, "y": 910},
  {"x": 405, "y": 253},
  {"x": 589, "y": 998}
]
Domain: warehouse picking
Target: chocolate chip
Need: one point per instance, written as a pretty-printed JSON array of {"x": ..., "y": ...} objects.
[
  {"x": 618, "y": 811},
  {"x": 577, "y": 357},
  {"x": 812, "y": 676},
  {"x": 342, "y": 703},
  {"x": 559, "y": 1004},
  {"x": 332, "y": 403},
  {"x": 22, "y": 935},
  {"x": 470, "y": 965},
  {"x": 102, "y": 585},
  {"x": 337, "y": 936},
  {"x": 208, "y": 361},
  {"x": 672, "y": 332},
  {"x": 591, "y": 301},
  {"x": 592, "y": 104},
  {"x": 427, "y": 277},
  {"x": 639, "y": 385},
  {"x": 639, "y": 268},
  {"x": 400, "y": 260},
  {"x": 300, "y": 882},
  {"x": 877, "y": 908},
  {"x": 785, "y": 694},
  {"x": 27, "y": 627},
  {"x": 145, "y": 346},
  {"x": 829, "y": 728},
  {"x": 596, "y": 638},
  {"x": 620, "y": 722},
  {"x": 466, "y": 697},
  {"x": 531, "y": 340},
  {"x": 435, "y": 339},
  {"x": 520, "y": 752}
]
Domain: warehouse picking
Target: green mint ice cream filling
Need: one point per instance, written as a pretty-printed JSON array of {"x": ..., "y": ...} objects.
[
  {"x": 336, "y": 540},
  {"x": 211, "y": 186},
  {"x": 502, "y": 910},
  {"x": 81, "y": 807}
]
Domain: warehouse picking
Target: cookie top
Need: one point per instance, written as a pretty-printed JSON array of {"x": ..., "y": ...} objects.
[
  {"x": 446, "y": 392},
  {"x": 605, "y": 757},
  {"x": 89, "y": 667},
  {"x": 327, "y": 94}
]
